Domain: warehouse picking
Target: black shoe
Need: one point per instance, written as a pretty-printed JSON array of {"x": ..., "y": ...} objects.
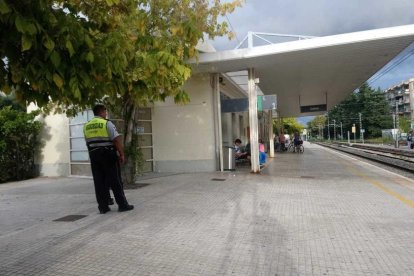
[
  {"x": 104, "y": 210},
  {"x": 111, "y": 201},
  {"x": 125, "y": 208}
]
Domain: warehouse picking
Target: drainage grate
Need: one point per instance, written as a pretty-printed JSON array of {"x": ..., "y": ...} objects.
[
  {"x": 218, "y": 179},
  {"x": 70, "y": 218},
  {"x": 307, "y": 176},
  {"x": 134, "y": 186}
]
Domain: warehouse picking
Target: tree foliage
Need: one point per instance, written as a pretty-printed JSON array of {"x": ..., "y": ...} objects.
[
  {"x": 18, "y": 141},
  {"x": 289, "y": 126},
  {"x": 373, "y": 107},
  {"x": 316, "y": 126},
  {"x": 74, "y": 53},
  {"x": 405, "y": 124}
]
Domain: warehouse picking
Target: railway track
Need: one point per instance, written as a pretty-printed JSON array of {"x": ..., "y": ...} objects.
[{"x": 398, "y": 158}]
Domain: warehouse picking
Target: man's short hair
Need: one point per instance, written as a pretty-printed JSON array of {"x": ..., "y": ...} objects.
[
  {"x": 238, "y": 141},
  {"x": 98, "y": 109}
]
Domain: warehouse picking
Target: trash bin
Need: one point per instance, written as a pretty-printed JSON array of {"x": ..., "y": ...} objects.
[{"x": 229, "y": 159}]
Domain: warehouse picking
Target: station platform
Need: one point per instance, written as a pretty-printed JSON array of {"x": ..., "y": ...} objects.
[{"x": 317, "y": 213}]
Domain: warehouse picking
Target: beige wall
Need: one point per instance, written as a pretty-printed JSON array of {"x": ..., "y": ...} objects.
[
  {"x": 53, "y": 159},
  {"x": 183, "y": 135}
]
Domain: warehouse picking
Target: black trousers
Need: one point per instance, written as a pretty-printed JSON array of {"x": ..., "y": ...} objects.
[{"x": 106, "y": 173}]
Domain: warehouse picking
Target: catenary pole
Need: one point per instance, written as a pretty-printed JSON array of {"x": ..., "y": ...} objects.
[
  {"x": 397, "y": 125},
  {"x": 361, "y": 131},
  {"x": 329, "y": 132}
]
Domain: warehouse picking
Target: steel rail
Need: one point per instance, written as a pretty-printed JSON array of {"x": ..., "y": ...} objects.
[{"x": 398, "y": 158}]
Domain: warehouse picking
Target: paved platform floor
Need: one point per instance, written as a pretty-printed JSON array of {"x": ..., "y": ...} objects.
[{"x": 319, "y": 213}]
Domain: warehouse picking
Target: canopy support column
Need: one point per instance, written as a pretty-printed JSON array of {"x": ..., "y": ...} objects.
[
  {"x": 253, "y": 121},
  {"x": 271, "y": 135},
  {"x": 217, "y": 121}
]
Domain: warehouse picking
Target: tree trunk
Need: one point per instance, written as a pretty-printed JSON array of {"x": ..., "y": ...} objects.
[{"x": 129, "y": 169}]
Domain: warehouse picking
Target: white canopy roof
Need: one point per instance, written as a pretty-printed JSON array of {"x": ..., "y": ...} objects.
[{"x": 317, "y": 71}]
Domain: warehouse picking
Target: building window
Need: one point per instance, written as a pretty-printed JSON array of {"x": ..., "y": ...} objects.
[
  {"x": 79, "y": 156},
  {"x": 78, "y": 150},
  {"x": 144, "y": 132}
]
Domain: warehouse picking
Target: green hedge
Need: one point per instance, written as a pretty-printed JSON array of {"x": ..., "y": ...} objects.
[{"x": 19, "y": 132}]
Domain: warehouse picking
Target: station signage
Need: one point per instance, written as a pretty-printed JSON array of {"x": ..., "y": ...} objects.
[
  {"x": 268, "y": 102},
  {"x": 313, "y": 108}
]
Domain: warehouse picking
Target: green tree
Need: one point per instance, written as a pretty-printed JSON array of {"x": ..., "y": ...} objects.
[
  {"x": 74, "y": 53},
  {"x": 316, "y": 126},
  {"x": 405, "y": 124},
  {"x": 373, "y": 107},
  {"x": 18, "y": 142},
  {"x": 289, "y": 125}
]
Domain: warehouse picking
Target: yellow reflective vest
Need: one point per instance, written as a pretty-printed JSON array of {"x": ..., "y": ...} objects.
[{"x": 96, "y": 133}]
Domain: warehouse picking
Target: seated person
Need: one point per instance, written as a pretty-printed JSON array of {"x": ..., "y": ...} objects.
[
  {"x": 276, "y": 144},
  {"x": 262, "y": 153},
  {"x": 297, "y": 140},
  {"x": 262, "y": 158},
  {"x": 237, "y": 150},
  {"x": 261, "y": 146},
  {"x": 282, "y": 141}
]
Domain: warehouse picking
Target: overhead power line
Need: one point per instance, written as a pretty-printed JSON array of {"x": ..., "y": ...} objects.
[{"x": 395, "y": 63}]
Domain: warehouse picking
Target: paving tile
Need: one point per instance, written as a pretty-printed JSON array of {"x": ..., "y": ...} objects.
[{"x": 276, "y": 223}]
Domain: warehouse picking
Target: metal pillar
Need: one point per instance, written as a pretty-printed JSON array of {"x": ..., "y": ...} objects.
[
  {"x": 353, "y": 127},
  {"x": 253, "y": 122},
  {"x": 396, "y": 125},
  {"x": 218, "y": 137},
  {"x": 411, "y": 97},
  {"x": 271, "y": 138},
  {"x": 227, "y": 129},
  {"x": 361, "y": 133},
  {"x": 249, "y": 40},
  {"x": 236, "y": 126},
  {"x": 329, "y": 131}
]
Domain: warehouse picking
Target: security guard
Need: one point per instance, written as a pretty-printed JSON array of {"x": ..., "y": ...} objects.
[{"x": 104, "y": 146}]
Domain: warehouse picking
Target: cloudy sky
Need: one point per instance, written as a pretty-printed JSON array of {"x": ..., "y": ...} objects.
[{"x": 323, "y": 18}]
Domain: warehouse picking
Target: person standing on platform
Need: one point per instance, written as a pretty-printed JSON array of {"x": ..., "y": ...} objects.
[
  {"x": 282, "y": 141},
  {"x": 410, "y": 139},
  {"x": 106, "y": 153}
]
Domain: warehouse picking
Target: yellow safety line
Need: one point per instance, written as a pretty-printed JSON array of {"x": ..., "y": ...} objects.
[{"x": 382, "y": 187}]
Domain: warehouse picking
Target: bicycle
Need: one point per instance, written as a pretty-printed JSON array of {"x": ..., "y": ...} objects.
[
  {"x": 291, "y": 148},
  {"x": 299, "y": 148}
]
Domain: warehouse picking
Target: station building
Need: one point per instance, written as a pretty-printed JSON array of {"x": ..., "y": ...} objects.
[
  {"x": 308, "y": 76},
  {"x": 401, "y": 99}
]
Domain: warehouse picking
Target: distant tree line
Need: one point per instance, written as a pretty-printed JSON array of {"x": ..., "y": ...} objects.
[
  {"x": 366, "y": 107},
  {"x": 288, "y": 125}
]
